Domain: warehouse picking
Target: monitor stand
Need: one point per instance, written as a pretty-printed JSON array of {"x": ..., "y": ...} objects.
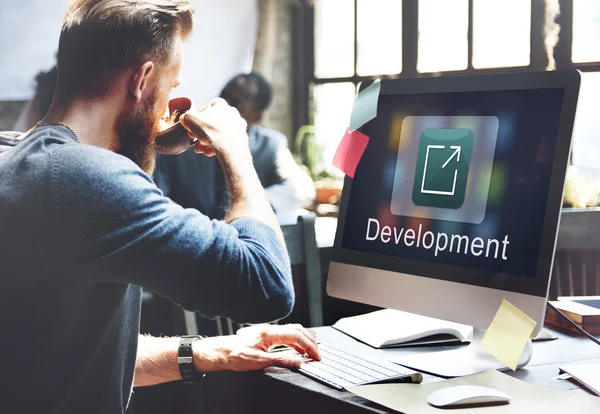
[{"x": 459, "y": 362}]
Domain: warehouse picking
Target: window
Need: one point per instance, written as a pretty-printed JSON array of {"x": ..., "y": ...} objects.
[
  {"x": 501, "y": 33},
  {"x": 585, "y": 56},
  {"x": 586, "y": 31},
  {"x": 443, "y": 42},
  {"x": 355, "y": 40},
  {"x": 334, "y": 38},
  {"x": 333, "y": 105},
  {"x": 379, "y": 37},
  {"x": 586, "y": 145}
]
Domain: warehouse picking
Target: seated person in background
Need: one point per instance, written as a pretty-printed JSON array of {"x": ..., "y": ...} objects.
[
  {"x": 198, "y": 182},
  {"x": 37, "y": 107},
  {"x": 84, "y": 227}
]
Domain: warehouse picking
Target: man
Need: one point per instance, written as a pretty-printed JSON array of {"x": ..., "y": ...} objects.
[
  {"x": 288, "y": 187},
  {"x": 83, "y": 227}
]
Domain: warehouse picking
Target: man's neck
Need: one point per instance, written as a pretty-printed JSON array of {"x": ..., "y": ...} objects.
[{"x": 93, "y": 121}]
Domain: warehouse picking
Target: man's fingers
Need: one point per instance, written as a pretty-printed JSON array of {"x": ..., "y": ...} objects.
[
  {"x": 282, "y": 359},
  {"x": 218, "y": 101},
  {"x": 310, "y": 346},
  {"x": 203, "y": 142},
  {"x": 294, "y": 336},
  {"x": 207, "y": 150},
  {"x": 253, "y": 360},
  {"x": 298, "y": 340},
  {"x": 194, "y": 122},
  {"x": 190, "y": 121},
  {"x": 308, "y": 333}
]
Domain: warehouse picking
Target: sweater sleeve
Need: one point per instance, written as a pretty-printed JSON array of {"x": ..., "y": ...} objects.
[{"x": 119, "y": 227}]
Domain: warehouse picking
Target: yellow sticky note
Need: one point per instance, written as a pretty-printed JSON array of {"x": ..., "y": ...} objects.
[{"x": 508, "y": 333}]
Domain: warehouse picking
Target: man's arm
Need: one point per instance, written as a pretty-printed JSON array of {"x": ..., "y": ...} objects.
[
  {"x": 156, "y": 360},
  {"x": 123, "y": 229},
  {"x": 222, "y": 134}
]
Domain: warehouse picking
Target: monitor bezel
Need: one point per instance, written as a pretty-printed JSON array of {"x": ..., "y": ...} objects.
[{"x": 537, "y": 286}]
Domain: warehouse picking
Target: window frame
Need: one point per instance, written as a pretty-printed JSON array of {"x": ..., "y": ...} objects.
[{"x": 304, "y": 51}]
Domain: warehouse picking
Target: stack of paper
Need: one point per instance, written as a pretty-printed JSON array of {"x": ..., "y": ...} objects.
[{"x": 586, "y": 374}]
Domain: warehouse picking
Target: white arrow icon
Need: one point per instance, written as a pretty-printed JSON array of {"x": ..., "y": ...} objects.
[{"x": 457, "y": 150}]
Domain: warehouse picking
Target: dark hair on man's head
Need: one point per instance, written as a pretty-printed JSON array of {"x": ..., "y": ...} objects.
[
  {"x": 264, "y": 91},
  {"x": 259, "y": 90},
  {"x": 99, "y": 38}
]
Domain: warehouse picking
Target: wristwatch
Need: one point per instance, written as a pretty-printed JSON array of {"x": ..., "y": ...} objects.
[{"x": 185, "y": 359}]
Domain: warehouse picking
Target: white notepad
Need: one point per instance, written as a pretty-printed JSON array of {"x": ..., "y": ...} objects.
[
  {"x": 586, "y": 374},
  {"x": 391, "y": 328}
]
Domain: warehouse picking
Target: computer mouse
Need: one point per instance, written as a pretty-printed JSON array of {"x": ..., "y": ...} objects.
[{"x": 462, "y": 395}]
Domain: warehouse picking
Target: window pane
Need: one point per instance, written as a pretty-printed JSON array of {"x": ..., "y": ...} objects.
[
  {"x": 332, "y": 108},
  {"x": 379, "y": 37},
  {"x": 497, "y": 44},
  {"x": 586, "y": 31},
  {"x": 586, "y": 133},
  {"x": 334, "y": 38},
  {"x": 443, "y": 27}
]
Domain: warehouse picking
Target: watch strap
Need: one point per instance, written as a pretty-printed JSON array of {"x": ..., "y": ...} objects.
[{"x": 185, "y": 359}]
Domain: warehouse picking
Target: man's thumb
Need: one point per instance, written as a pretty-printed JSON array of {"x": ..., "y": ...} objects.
[{"x": 193, "y": 122}]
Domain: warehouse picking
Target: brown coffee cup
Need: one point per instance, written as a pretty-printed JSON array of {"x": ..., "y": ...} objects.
[{"x": 175, "y": 139}]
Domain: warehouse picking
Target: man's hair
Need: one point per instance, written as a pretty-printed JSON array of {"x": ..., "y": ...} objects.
[
  {"x": 100, "y": 38},
  {"x": 261, "y": 93}
]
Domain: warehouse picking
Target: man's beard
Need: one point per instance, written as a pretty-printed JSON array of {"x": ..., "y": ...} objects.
[{"x": 137, "y": 134}]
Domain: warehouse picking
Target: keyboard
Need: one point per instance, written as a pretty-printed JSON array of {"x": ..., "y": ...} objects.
[{"x": 340, "y": 369}]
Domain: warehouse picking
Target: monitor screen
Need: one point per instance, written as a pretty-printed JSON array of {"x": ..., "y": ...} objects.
[{"x": 455, "y": 186}]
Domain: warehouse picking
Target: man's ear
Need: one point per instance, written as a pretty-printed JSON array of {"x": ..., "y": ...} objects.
[{"x": 139, "y": 80}]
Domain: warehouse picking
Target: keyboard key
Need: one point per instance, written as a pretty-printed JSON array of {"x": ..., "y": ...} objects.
[
  {"x": 341, "y": 369},
  {"x": 377, "y": 376},
  {"x": 340, "y": 373}
]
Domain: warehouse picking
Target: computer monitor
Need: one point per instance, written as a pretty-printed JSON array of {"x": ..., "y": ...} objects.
[{"x": 455, "y": 203}]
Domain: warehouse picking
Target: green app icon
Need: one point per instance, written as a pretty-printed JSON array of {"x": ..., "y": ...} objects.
[{"x": 442, "y": 167}]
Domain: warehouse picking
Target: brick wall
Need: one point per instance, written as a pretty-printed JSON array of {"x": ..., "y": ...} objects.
[{"x": 273, "y": 59}]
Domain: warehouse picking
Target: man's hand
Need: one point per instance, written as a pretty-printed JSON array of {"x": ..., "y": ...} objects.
[
  {"x": 221, "y": 131},
  {"x": 248, "y": 350},
  {"x": 219, "y": 128}
]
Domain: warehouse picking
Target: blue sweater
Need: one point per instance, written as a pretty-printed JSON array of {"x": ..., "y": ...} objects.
[{"x": 81, "y": 230}]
